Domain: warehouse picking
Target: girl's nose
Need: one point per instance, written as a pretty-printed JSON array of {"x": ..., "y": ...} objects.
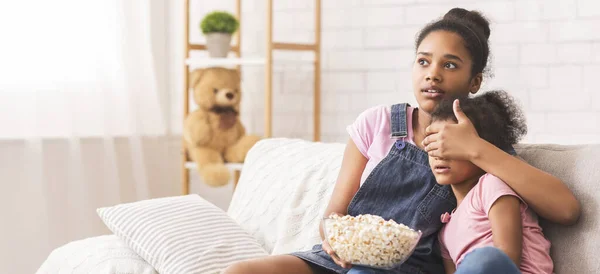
[{"x": 433, "y": 75}]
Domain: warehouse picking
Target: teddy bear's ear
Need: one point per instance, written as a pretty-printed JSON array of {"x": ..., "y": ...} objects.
[
  {"x": 195, "y": 76},
  {"x": 237, "y": 74}
]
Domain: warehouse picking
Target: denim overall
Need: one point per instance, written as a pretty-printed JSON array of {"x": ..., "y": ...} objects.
[{"x": 401, "y": 187}]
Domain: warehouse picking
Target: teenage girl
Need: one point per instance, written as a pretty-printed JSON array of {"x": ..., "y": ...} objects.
[{"x": 385, "y": 169}]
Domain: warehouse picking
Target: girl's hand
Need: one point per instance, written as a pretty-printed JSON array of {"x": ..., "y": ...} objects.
[
  {"x": 452, "y": 141},
  {"x": 336, "y": 259},
  {"x": 327, "y": 248}
]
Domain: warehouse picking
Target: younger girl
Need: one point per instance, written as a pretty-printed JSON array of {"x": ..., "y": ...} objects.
[{"x": 488, "y": 213}]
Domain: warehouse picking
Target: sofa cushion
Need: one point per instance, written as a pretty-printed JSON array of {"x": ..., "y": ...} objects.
[
  {"x": 283, "y": 192},
  {"x": 573, "y": 247},
  {"x": 181, "y": 234}
]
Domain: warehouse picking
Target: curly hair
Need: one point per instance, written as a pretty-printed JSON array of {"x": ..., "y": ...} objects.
[
  {"x": 472, "y": 26},
  {"x": 495, "y": 114}
]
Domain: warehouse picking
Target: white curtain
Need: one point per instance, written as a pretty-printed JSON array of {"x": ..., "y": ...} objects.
[{"x": 80, "y": 117}]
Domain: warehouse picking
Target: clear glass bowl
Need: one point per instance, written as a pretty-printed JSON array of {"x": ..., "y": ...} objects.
[{"x": 383, "y": 245}]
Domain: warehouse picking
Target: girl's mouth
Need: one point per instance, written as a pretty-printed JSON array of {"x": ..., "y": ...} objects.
[
  {"x": 432, "y": 92},
  {"x": 441, "y": 169}
]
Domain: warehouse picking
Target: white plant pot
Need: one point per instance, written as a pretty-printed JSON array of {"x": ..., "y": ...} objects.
[{"x": 218, "y": 44}]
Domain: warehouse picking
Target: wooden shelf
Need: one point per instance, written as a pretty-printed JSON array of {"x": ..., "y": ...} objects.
[
  {"x": 231, "y": 166},
  {"x": 267, "y": 61},
  {"x": 233, "y": 61},
  {"x": 206, "y": 62}
]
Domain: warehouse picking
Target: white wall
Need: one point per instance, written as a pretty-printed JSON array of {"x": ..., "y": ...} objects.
[{"x": 546, "y": 53}]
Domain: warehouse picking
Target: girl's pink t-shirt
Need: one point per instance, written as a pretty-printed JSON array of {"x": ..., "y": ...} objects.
[
  {"x": 469, "y": 227},
  {"x": 371, "y": 132}
]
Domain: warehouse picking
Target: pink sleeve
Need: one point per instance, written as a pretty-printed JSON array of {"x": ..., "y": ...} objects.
[
  {"x": 364, "y": 128},
  {"x": 491, "y": 188},
  {"x": 443, "y": 249}
]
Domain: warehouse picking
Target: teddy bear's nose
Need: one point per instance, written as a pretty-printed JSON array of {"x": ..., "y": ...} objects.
[{"x": 229, "y": 95}]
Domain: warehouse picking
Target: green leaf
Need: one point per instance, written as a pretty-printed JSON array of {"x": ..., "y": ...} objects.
[{"x": 219, "y": 21}]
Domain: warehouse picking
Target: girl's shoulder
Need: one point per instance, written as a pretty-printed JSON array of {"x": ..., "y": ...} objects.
[
  {"x": 488, "y": 183},
  {"x": 374, "y": 112},
  {"x": 378, "y": 114},
  {"x": 372, "y": 127},
  {"x": 372, "y": 119},
  {"x": 489, "y": 189}
]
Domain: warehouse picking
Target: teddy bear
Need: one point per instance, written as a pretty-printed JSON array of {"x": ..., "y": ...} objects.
[{"x": 213, "y": 133}]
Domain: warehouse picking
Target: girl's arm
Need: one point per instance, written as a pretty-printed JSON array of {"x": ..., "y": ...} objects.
[
  {"x": 449, "y": 266},
  {"x": 348, "y": 181},
  {"x": 347, "y": 184},
  {"x": 507, "y": 230},
  {"x": 544, "y": 193}
]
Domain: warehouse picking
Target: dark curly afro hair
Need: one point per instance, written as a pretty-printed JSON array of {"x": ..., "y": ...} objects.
[{"x": 496, "y": 116}]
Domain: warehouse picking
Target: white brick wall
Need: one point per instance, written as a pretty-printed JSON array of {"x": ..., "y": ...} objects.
[
  {"x": 528, "y": 32},
  {"x": 588, "y": 8},
  {"x": 546, "y": 53}
]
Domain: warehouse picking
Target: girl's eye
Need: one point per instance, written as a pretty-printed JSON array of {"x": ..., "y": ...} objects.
[
  {"x": 450, "y": 65},
  {"x": 215, "y": 90},
  {"x": 422, "y": 62}
]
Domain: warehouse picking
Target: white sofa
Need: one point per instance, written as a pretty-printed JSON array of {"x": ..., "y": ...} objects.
[{"x": 285, "y": 186}]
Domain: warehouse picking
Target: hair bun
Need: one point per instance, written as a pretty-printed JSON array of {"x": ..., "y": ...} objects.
[{"x": 471, "y": 18}]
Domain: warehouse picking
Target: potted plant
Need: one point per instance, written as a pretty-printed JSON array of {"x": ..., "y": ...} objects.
[{"x": 218, "y": 26}]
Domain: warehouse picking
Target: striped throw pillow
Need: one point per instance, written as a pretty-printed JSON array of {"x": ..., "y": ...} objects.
[{"x": 181, "y": 234}]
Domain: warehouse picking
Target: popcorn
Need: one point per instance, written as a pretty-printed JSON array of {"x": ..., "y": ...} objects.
[{"x": 370, "y": 240}]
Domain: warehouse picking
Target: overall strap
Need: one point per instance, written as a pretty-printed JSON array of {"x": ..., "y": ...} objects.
[{"x": 398, "y": 120}]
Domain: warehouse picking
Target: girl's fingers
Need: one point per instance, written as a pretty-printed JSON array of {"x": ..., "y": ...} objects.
[
  {"x": 431, "y": 139},
  {"x": 435, "y": 128},
  {"x": 332, "y": 254},
  {"x": 434, "y": 153},
  {"x": 425, "y": 142},
  {"x": 461, "y": 117},
  {"x": 338, "y": 261},
  {"x": 432, "y": 147}
]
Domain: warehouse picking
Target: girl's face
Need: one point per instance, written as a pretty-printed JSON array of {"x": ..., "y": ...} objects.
[
  {"x": 442, "y": 68},
  {"x": 450, "y": 172}
]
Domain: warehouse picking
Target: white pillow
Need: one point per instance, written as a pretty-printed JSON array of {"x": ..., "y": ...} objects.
[
  {"x": 105, "y": 254},
  {"x": 181, "y": 234}
]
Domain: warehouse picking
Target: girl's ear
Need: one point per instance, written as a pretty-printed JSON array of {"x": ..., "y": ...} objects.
[{"x": 476, "y": 83}]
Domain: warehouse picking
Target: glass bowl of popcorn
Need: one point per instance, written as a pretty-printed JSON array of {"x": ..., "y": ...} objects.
[{"x": 370, "y": 240}]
